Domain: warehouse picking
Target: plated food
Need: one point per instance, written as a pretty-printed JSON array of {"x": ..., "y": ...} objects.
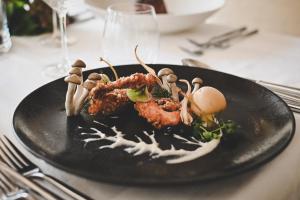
[
  {"x": 80, "y": 144},
  {"x": 157, "y": 98}
]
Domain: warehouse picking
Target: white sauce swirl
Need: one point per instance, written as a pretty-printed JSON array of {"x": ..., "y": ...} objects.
[{"x": 140, "y": 147}]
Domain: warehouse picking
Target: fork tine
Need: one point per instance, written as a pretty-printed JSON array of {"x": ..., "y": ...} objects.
[
  {"x": 6, "y": 184},
  {"x": 12, "y": 190},
  {"x": 3, "y": 187},
  {"x": 14, "y": 150},
  {"x": 46, "y": 194},
  {"x": 4, "y": 157}
]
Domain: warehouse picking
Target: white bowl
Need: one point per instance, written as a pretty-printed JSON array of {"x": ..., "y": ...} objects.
[{"x": 182, "y": 14}]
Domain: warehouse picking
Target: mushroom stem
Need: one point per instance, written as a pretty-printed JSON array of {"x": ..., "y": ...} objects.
[
  {"x": 72, "y": 81},
  {"x": 197, "y": 82},
  {"x": 87, "y": 86},
  {"x": 163, "y": 74},
  {"x": 196, "y": 87},
  {"x": 80, "y": 101},
  {"x": 172, "y": 78},
  {"x": 147, "y": 68},
  {"x": 111, "y": 67},
  {"x": 174, "y": 91},
  {"x": 165, "y": 83},
  {"x": 78, "y": 93},
  {"x": 77, "y": 71},
  {"x": 69, "y": 104},
  {"x": 185, "y": 116},
  {"x": 79, "y": 89}
]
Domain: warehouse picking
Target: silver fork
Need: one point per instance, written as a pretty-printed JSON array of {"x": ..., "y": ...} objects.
[
  {"x": 16, "y": 160},
  {"x": 218, "y": 38},
  {"x": 221, "y": 42},
  {"x": 11, "y": 191},
  {"x": 24, "y": 182}
]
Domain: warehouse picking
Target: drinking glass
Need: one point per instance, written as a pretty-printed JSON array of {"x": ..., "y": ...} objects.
[
  {"x": 5, "y": 41},
  {"x": 54, "y": 39},
  {"x": 60, "y": 69},
  {"x": 127, "y": 25}
]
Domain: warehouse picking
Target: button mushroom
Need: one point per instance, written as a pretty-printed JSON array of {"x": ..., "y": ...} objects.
[
  {"x": 79, "y": 63},
  {"x": 87, "y": 86},
  {"x": 172, "y": 78},
  {"x": 94, "y": 77},
  {"x": 77, "y": 69},
  {"x": 72, "y": 80},
  {"x": 208, "y": 100},
  {"x": 197, "y": 82},
  {"x": 162, "y": 74}
]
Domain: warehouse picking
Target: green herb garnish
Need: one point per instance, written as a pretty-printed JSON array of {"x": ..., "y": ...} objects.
[
  {"x": 159, "y": 92},
  {"x": 141, "y": 94},
  {"x": 207, "y": 134},
  {"x": 104, "y": 78}
]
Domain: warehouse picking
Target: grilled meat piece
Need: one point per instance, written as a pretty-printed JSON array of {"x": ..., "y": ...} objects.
[
  {"x": 156, "y": 115},
  {"x": 109, "y": 102},
  {"x": 168, "y": 104},
  {"x": 136, "y": 80}
]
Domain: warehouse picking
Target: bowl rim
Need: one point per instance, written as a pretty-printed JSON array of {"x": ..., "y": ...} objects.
[
  {"x": 219, "y": 6},
  {"x": 96, "y": 6}
]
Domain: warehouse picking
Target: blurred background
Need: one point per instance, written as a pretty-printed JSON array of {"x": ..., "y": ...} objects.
[
  {"x": 282, "y": 16},
  {"x": 30, "y": 17}
]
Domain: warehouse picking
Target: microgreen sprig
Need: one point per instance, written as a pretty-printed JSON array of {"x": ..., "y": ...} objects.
[{"x": 207, "y": 134}]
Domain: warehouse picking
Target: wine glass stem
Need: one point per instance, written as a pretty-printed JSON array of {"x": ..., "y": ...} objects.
[
  {"x": 55, "y": 32},
  {"x": 63, "y": 35}
]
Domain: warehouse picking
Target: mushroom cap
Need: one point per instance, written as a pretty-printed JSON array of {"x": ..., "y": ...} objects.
[
  {"x": 73, "y": 79},
  {"x": 89, "y": 84},
  {"x": 75, "y": 70},
  {"x": 209, "y": 100},
  {"x": 165, "y": 72},
  {"x": 171, "y": 78},
  {"x": 79, "y": 63},
  {"x": 94, "y": 76},
  {"x": 197, "y": 80}
]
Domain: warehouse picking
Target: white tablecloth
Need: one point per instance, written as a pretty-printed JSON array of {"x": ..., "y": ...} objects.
[{"x": 265, "y": 56}]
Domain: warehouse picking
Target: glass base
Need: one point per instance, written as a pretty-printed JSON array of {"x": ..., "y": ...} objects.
[
  {"x": 50, "y": 41},
  {"x": 55, "y": 71},
  {"x": 55, "y": 42}
]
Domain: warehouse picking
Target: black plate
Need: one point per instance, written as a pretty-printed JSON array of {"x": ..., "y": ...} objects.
[{"x": 266, "y": 127}]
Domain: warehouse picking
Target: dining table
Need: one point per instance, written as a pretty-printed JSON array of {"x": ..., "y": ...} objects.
[{"x": 265, "y": 56}]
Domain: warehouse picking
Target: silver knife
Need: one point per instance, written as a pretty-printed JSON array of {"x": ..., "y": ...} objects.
[{"x": 291, "y": 95}]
